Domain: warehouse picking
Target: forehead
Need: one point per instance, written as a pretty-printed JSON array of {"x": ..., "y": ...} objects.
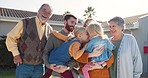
[
  {"x": 46, "y": 7},
  {"x": 112, "y": 23},
  {"x": 72, "y": 19}
]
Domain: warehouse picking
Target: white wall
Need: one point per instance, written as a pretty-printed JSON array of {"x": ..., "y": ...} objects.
[
  {"x": 142, "y": 36},
  {"x": 5, "y": 27}
]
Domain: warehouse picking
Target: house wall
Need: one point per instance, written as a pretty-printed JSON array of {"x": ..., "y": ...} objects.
[
  {"x": 57, "y": 27},
  {"x": 5, "y": 27},
  {"x": 142, "y": 37}
]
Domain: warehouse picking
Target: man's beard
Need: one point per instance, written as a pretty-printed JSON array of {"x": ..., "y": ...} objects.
[{"x": 69, "y": 27}]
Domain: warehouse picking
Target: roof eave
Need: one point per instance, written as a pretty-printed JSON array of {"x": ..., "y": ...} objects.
[{"x": 9, "y": 19}]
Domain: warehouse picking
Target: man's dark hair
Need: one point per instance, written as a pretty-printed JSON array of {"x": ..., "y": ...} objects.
[{"x": 68, "y": 16}]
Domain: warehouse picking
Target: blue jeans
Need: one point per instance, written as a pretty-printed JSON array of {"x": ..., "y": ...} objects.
[
  {"x": 29, "y": 71},
  {"x": 80, "y": 76}
]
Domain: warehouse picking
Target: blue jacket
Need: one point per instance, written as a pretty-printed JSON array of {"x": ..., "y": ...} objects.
[
  {"x": 60, "y": 55},
  {"x": 97, "y": 41}
]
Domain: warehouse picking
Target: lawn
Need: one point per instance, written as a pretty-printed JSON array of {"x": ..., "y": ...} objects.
[{"x": 7, "y": 74}]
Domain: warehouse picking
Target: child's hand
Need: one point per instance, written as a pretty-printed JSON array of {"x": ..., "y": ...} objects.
[
  {"x": 97, "y": 52},
  {"x": 95, "y": 66}
]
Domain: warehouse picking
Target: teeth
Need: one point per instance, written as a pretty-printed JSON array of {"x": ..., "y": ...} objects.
[{"x": 42, "y": 19}]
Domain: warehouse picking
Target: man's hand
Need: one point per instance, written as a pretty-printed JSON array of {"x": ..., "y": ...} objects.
[
  {"x": 96, "y": 52},
  {"x": 17, "y": 59},
  {"x": 53, "y": 66},
  {"x": 61, "y": 69}
]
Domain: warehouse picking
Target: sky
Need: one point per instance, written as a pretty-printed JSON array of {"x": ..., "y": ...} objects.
[{"x": 105, "y": 9}]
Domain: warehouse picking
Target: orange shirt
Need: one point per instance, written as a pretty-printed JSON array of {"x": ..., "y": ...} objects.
[{"x": 96, "y": 73}]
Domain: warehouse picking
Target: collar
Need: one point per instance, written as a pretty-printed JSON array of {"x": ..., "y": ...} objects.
[{"x": 39, "y": 22}]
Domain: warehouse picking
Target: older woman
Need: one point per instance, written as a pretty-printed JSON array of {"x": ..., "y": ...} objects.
[{"x": 127, "y": 57}]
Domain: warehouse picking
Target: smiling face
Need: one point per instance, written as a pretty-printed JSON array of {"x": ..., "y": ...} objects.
[
  {"x": 115, "y": 29},
  {"x": 70, "y": 24},
  {"x": 44, "y": 13}
]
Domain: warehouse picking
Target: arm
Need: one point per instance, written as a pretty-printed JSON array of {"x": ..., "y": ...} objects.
[
  {"x": 106, "y": 64},
  {"x": 110, "y": 61},
  {"x": 12, "y": 36},
  {"x": 137, "y": 61},
  {"x": 11, "y": 41},
  {"x": 86, "y": 56},
  {"x": 75, "y": 50},
  {"x": 47, "y": 49}
]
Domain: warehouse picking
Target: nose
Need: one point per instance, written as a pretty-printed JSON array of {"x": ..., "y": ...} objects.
[{"x": 111, "y": 28}]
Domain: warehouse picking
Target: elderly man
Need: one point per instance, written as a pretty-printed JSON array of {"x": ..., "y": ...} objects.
[{"x": 27, "y": 40}]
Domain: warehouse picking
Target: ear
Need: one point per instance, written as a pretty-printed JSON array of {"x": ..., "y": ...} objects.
[
  {"x": 122, "y": 28},
  {"x": 65, "y": 22}
]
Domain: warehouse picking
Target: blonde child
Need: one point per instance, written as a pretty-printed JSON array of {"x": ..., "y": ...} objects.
[
  {"x": 62, "y": 54},
  {"x": 97, "y": 38}
]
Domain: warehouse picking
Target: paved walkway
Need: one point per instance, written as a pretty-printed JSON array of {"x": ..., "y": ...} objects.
[{"x": 144, "y": 75}]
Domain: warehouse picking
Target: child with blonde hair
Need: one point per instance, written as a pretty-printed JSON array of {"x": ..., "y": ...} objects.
[
  {"x": 62, "y": 54},
  {"x": 97, "y": 39}
]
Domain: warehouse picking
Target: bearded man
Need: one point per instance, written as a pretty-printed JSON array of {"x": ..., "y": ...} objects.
[{"x": 55, "y": 39}]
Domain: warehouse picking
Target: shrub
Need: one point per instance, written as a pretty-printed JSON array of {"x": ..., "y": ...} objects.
[{"x": 6, "y": 58}]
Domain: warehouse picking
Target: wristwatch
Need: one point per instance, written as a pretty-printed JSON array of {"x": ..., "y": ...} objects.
[{"x": 68, "y": 68}]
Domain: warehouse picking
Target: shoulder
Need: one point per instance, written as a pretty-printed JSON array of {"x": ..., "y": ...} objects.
[
  {"x": 76, "y": 44},
  {"x": 59, "y": 35},
  {"x": 49, "y": 26},
  {"x": 27, "y": 19},
  {"x": 129, "y": 36}
]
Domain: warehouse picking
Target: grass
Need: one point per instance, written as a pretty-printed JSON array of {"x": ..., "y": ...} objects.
[{"x": 7, "y": 74}]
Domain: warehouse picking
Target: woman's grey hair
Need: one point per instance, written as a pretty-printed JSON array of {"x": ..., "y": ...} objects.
[{"x": 118, "y": 20}]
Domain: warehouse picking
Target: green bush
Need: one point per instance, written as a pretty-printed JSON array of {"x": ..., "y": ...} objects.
[{"x": 6, "y": 58}]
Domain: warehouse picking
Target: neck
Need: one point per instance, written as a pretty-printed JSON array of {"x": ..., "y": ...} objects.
[
  {"x": 118, "y": 37},
  {"x": 65, "y": 30}
]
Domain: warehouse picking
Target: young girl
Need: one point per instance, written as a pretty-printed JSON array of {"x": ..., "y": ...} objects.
[
  {"x": 97, "y": 38},
  {"x": 62, "y": 54}
]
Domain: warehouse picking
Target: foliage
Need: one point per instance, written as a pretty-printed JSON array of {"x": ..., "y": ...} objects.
[
  {"x": 6, "y": 58},
  {"x": 89, "y": 12},
  {"x": 67, "y": 12}
]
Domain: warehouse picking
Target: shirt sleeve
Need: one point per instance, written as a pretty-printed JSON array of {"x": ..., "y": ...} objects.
[
  {"x": 75, "y": 51},
  {"x": 84, "y": 58},
  {"x": 12, "y": 37},
  {"x": 137, "y": 60},
  {"x": 110, "y": 61}
]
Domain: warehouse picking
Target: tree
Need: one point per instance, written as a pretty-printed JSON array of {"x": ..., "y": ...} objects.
[
  {"x": 89, "y": 12},
  {"x": 6, "y": 58},
  {"x": 67, "y": 12}
]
